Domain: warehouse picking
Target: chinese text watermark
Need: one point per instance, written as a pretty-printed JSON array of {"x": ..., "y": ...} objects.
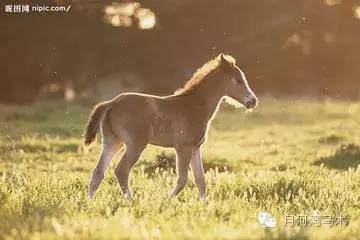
[
  {"x": 26, "y": 8},
  {"x": 316, "y": 220}
]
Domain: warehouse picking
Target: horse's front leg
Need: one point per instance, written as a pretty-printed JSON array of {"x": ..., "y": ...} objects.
[
  {"x": 198, "y": 172},
  {"x": 183, "y": 156}
]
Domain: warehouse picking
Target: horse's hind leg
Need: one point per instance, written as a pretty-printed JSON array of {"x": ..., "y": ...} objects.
[
  {"x": 122, "y": 170},
  {"x": 110, "y": 146}
]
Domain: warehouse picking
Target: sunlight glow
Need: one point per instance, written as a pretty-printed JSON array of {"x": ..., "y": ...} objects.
[
  {"x": 128, "y": 14},
  {"x": 357, "y": 12},
  {"x": 332, "y": 2},
  {"x": 146, "y": 18}
]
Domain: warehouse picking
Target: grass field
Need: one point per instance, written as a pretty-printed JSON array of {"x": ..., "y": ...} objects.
[{"x": 286, "y": 158}]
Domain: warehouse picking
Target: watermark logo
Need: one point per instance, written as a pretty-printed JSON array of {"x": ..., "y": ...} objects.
[
  {"x": 266, "y": 219},
  {"x": 26, "y": 8},
  {"x": 316, "y": 220}
]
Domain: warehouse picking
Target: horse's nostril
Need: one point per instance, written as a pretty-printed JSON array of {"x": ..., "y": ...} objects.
[{"x": 252, "y": 102}]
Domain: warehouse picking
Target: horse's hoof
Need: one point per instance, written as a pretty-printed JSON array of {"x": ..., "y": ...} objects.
[
  {"x": 129, "y": 197},
  {"x": 204, "y": 200},
  {"x": 91, "y": 195}
]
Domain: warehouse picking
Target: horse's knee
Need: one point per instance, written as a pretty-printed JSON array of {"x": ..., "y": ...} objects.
[
  {"x": 121, "y": 175},
  {"x": 123, "y": 169}
]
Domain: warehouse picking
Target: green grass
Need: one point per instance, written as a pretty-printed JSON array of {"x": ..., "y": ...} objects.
[{"x": 286, "y": 158}]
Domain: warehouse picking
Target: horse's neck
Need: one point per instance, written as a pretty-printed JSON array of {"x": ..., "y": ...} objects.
[{"x": 208, "y": 95}]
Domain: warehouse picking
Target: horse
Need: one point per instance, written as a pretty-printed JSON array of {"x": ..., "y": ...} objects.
[{"x": 180, "y": 121}]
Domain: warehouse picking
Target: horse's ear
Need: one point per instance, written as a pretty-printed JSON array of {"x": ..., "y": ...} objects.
[{"x": 222, "y": 58}]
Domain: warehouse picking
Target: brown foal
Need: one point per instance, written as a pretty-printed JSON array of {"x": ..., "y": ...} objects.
[{"x": 180, "y": 121}]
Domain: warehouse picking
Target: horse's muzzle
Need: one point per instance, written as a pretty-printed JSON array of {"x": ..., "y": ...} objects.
[{"x": 251, "y": 103}]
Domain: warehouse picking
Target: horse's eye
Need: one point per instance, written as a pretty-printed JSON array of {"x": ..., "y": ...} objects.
[{"x": 236, "y": 81}]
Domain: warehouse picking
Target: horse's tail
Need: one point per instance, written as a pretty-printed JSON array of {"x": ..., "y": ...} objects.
[{"x": 93, "y": 124}]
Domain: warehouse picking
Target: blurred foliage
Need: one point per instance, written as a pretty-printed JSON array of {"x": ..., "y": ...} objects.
[{"x": 285, "y": 47}]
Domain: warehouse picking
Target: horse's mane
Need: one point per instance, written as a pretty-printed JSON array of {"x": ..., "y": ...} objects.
[{"x": 202, "y": 72}]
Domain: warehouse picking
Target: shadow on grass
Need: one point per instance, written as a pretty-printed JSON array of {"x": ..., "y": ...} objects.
[
  {"x": 331, "y": 139},
  {"x": 284, "y": 235},
  {"x": 346, "y": 156},
  {"x": 167, "y": 162},
  {"x": 282, "y": 168},
  {"x": 37, "y": 116},
  {"x": 42, "y": 147}
]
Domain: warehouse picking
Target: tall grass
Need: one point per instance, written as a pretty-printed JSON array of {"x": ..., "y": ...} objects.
[{"x": 286, "y": 158}]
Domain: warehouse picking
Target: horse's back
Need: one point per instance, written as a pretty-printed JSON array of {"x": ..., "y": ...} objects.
[
  {"x": 133, "y": 113},
  {"x": 144, "y": 116}
]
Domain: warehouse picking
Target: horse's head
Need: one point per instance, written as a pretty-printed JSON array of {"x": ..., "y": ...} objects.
[{"x": 236, "y": 85}]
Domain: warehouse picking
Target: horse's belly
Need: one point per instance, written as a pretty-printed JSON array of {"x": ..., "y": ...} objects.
[
  {"x": 162, "y": 133},
  {"x": 162, "y": 141},
  {"x": 162, "y": 138}
]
